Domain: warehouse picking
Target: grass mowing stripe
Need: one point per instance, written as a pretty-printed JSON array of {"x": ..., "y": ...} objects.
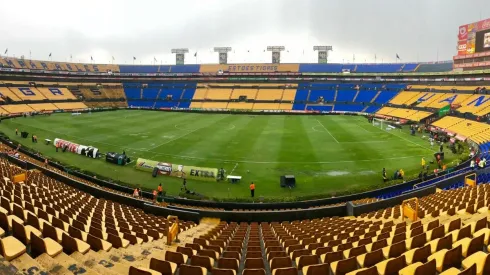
[{"x": 267, "y": 146}]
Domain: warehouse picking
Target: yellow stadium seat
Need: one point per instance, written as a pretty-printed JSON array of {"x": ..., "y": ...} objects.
[
  {"x": 27, "y": 93},
  {"x": 71, "y": 105}
]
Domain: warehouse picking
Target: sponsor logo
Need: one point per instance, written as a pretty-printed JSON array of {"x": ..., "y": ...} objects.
[
  {"x": 484, "y": 25},
  {"x": 462, "y": 47},
  {"x": 164, "y": 167},
  {"x": 201, "y": 173},
  {"x": 144, "y": 165},
  {"x": 463, "y": 32}
]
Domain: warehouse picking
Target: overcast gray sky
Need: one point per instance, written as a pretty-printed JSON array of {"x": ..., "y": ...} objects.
[{"x": 418, "y": 30}]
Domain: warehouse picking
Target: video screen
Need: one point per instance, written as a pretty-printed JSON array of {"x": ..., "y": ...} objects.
[{"x": 482, "y": 41}]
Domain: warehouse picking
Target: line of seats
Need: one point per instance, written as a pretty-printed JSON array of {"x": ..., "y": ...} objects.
[
  {"x": 49, "y": 219},
  {"x": 476, "y": 131}
]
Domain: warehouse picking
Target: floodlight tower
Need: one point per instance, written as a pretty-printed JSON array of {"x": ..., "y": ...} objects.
[
  {"x": 223, "y": 54},
  {"x": 180, "y": 55},
  {"x": 276, "y": 53},
  {"x": 323, "y": 53}
]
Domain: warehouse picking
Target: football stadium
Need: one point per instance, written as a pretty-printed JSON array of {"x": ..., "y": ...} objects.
[{"x": 253, "y": 168}]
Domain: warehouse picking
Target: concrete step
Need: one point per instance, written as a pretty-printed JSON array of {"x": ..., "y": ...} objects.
[
  {"x": 27, "y": 265},
  {"x": 8, "y": 268},
  {"x": 65, "y": 261},
  {"x": 52, "y": 265},
  {"x": 121, "y": 264},
  {"x": 96, "y": 264}
]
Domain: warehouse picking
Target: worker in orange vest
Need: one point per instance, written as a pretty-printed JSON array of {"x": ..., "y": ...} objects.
[
  {"x": 252, "y": 189},
  {"x": 160, "y": 189}
]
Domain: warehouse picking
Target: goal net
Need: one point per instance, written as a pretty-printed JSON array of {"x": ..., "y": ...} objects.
[{"x": 385, "y": 125}]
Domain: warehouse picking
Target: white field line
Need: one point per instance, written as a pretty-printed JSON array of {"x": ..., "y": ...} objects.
[
  {"x": 225, "y": 160},
  {"x": 179, "y": 137},
  {"x": 327, "y": 131}
]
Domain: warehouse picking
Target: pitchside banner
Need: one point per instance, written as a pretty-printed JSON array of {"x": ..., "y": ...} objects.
[{"x": 177, "y": 170}]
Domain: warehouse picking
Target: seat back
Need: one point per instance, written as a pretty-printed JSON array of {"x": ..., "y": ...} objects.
[
  {"x": 286, "y": 271},
  {"x": 379, "y": 244},
  {"x": 259, "y": 271},
  {"x": 94, "y": 242},
  {"x": 275, "y": 254},
  {"x": 356, "y": 251},
  {"x": 445, "y": 243},
  {"x": 280, "y": 262},
  {"x": 370, "y": 271},
  {"x": 254, "y": 263},
  {"x": 228, "y": 263},
  {"x": 185, "y": 250},
  {"x": 37, "y": 246},
  {"x": 397, "y": 249},
  {"x": 33, "y": 221},
  {"x": 203, "y": 261},
  {"x": 476, "y": 245},
  {"x": 223, "y": 271},
  {"x": 373, "y": 258},
  {"x": 427, "y": 268},
  {"x": 231, "y": 254},
  {"x": 174, "y": 257},
  {"x": 136, "y": 271},
  {"x": 331, "y": 257},
  {"x": 253, "y": 254},
  {"x": 464, "y": 232},
  {"x": 418, "y": 241},
  {"x": 452, "y": 258},
  {"x": 191, "y": 270},
  {"x": 4, "y": 223},
  {"x": 161, "y": 266},
  {"x": 395, "y": 265},
  {"x": 421, "y": 254},
  {"x": 306, "y": 260},
  {"x": 298, "y": 253},
  {"x": 469, "y": 271},
  {"x": 316, "y": 269},
  {"x": 69, "y": 244},
  {"x": 19, "y": 232},
  {"x": 437, "y": 232},
  {"x": 114, "y": 240}
]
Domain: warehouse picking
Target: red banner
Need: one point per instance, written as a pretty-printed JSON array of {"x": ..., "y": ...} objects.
[
  {"x": 483, "y": 25},
  {"x": 463, "y": 32},
  {"x": 462, "y": 47}
]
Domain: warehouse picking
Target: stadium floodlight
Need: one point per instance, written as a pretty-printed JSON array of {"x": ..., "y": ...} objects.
[
  {"x": 276, "y": 48},
  {"x": 222, "y": 49},
  {"x": 222, "y": 54},
  {"x": 276, "y": 53},
  {"x": 180, "y": 55},
  {"x": 180, "y": 50},
  {"x": 323, "y": 53},
  {"x": 322, "y": 48}
]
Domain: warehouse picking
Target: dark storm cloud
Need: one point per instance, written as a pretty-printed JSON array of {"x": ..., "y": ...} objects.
[{"x": 416, "y": 29}]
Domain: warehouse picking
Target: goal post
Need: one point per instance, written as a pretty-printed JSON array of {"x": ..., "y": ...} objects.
[{"x": 385, "y": 125}]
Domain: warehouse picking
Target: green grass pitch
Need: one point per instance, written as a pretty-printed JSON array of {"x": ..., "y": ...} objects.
[{"x": 329, "y": 155}]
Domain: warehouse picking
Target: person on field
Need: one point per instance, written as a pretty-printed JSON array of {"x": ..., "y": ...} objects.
[
  {"x": 160, "y": 189},
  {"x": 385, "y": 178},
  {"x": 252, "y": 189},
  {"x": 16, "y": 131},
  {"x": 422, "y": 162}
]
